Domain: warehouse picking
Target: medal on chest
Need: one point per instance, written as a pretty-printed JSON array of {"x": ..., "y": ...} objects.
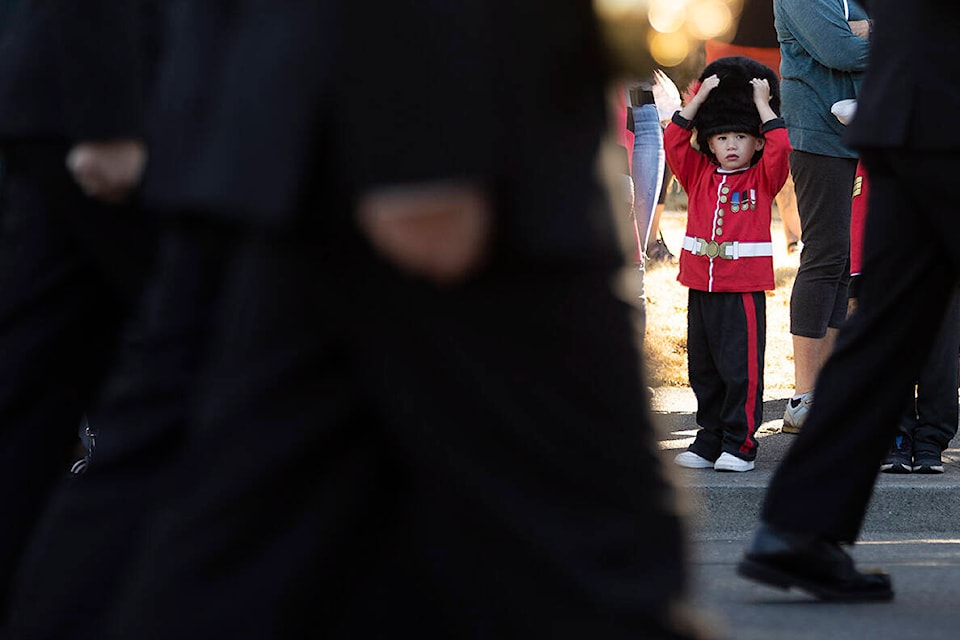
[{"x": 743, "y": 200}]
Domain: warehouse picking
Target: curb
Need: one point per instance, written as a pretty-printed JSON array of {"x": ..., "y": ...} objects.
[{"x": 727, "y": 505}]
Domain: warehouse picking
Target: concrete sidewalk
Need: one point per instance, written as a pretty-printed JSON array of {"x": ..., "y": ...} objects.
[
  {"x": 726, "y": 505},
  {"x": 912, "y": 530},
  {"x": 926, "y": 579}
]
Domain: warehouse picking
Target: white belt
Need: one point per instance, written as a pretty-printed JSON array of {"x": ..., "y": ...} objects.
[{"x": 733, "y": 250}]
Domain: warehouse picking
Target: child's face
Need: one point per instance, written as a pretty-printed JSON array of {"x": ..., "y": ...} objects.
[{"x": 734, "y": 150}]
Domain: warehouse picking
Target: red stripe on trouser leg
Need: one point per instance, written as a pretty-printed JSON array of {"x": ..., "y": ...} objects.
[{"x": 753, "y": 370}]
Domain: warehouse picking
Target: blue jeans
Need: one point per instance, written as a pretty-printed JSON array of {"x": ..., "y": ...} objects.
[
  {"x": 647, "y": 171},
  {"x": 647, "y": 167}
]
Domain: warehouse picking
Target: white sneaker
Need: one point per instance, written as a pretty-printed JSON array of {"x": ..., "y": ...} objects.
[
  {"x": 729, "y": 462},
  {"x": 690, "y": 460},
  {"x": 796, "y": 412}
]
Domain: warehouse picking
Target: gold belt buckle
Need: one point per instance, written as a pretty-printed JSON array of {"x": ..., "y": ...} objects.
[{"x": 715, "y": 249}]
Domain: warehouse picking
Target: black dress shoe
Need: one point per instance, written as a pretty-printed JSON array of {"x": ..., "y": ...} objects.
[{"x": 822, "y": 568}]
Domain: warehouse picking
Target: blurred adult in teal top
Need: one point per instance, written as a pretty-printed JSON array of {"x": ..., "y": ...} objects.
[
  {"x": 821, "y": 61},
  {"x": 824, "y": 45}
]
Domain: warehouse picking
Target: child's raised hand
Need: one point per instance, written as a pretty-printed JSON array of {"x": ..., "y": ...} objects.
[
  {"x": 761, "y": 91},
  {"x": 709, "y": 84},
  {"x": 761, "y": 98}
]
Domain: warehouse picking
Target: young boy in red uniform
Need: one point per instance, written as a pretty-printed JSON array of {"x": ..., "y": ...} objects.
[{"x": 727, "y": 261}]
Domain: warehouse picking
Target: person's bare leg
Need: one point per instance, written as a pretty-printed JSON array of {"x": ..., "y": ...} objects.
[
  {"x": 789, "y": 215},
  {"x": 806, "y": 363},
  {"x": 829, "y": 342},
  {"x": 809, "y": 356},
  {"x": 654, "y": 227}
]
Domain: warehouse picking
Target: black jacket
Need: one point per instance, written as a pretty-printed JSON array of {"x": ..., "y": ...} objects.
[
  {"x": 236, "y": 106},
  {"x": 911, "y": 92},
  {"x": 77, "y": 70},
  {"x": 309, "y": 104}
]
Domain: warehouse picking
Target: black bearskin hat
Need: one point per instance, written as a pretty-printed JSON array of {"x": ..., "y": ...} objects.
[{"x": 730, "y": 107}]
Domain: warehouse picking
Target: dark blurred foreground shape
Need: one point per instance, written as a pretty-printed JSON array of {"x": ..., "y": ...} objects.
[
  {"x": 819, "y": 495},
  {"x": 71, "y": 266},
  {"x": 381, "y": 441}
]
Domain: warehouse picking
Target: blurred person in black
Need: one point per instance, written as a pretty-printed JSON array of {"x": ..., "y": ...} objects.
[
  {"x": 818, "y": 497},
  {"x": 416, "y": 403},
  {"x": 92, "y": 524},
  {"x": 74, "y": 79}
]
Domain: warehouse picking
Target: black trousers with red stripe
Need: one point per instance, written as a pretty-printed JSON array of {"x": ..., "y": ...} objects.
[{"x": 726, "y": 339}]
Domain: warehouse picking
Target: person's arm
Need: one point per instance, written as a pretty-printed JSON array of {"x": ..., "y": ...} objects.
[
  {"x": 689, "y": 111},
  {"x": 821, "y": 28},
  {"x": 761, "y": 98},
  {"x": 106, "y": 69},
  {"x": 684, "y": 161},
  {"x": 424, "y": 192},
  {"x": 437, "y": 230},
  {"x": 774, "y": 164},
  {"x": 102, "y": 58}
]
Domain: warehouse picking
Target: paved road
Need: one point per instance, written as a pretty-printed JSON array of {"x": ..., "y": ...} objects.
[
  {"x": 912, "y": 530},
  {"x": 926, "y": 579}
]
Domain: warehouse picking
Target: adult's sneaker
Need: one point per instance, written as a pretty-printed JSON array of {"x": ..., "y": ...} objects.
[
  {"x": 690, "y": 460},
  {"x": 796, "y": 412},
  {"x": 899, "y": 458},
  {"x": 730, "y": 462},
  {"x": 927, "y": 462}
]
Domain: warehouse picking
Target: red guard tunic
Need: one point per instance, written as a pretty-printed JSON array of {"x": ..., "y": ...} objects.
[{"x": 727, "y": 246}]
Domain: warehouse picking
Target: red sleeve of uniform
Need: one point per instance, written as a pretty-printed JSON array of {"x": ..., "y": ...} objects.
[
  {"x": 775, "y": 163},
  {"x": 686, "y": 162}
]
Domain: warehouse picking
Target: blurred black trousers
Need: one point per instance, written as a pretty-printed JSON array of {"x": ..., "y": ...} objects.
[
  {"x": 824, "y": 483},
  {"x": 350, "y": 451},
  {"x": 70, "y": 271},
  {"x": 93, "y": 525},
  {"x": 374, "y": 453}
]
